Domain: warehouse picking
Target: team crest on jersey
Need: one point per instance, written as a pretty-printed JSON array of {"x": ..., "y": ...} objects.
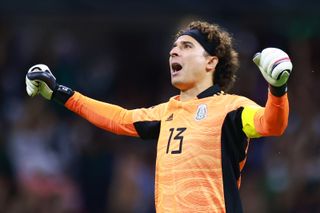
[{"x": 201, "y": 112}]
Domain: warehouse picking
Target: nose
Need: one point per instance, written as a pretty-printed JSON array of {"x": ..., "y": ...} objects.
[{"x": 174, "y": 52}]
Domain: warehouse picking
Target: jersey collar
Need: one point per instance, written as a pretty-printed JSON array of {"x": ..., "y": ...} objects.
[{"x": 209, "y": 92}]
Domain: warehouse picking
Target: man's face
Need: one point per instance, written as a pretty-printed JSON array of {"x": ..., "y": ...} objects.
[{"x": 188, "y": 63}]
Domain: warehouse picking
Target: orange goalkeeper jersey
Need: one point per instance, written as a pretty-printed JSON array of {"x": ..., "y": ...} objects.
[{"x": 202, "y": 143}]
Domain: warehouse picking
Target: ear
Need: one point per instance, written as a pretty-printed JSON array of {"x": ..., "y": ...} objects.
[{"x": 212, "y": 62}]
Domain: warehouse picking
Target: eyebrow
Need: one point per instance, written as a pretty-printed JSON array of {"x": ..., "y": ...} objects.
[{"x": 184, "y": 43}]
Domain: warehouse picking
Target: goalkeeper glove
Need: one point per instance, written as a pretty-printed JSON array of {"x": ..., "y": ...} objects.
[
  {"x": 275, "y": 66},
  {"x": 40, "y": 80}
]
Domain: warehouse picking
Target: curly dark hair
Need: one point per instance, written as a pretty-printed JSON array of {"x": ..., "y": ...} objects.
[{"x": 225, "y": 73}]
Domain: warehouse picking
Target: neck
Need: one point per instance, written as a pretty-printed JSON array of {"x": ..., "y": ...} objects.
[{"x": 189, "y": 94}]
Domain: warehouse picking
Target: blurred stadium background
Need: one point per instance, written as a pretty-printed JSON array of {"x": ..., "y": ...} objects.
[{"x": 117, "y": 51}]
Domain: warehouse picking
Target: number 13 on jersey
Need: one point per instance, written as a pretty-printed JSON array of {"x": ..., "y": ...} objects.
[{"x": 176, "y": 136}]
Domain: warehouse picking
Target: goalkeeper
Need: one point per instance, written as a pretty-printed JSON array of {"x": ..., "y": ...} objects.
[{"x": 203, "y": 132}]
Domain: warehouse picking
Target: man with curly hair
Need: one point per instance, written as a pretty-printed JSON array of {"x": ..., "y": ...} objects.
[{"x": 203, "y": 133}]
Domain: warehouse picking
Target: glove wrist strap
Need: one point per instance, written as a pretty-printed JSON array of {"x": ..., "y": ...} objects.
[
  {"x": 278, "y": 91},
  {"x": 61, "y": 94}
]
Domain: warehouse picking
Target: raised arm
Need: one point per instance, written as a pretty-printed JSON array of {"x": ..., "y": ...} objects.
[
  {"x": 143, "y": 122},
  {"x": 272, "y": 120}
]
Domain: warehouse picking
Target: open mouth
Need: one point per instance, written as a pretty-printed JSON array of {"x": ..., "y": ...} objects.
[{"x": 176, "y": 67}]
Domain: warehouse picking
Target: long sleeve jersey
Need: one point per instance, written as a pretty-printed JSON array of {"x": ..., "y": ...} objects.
[{"x": 202, "y": 143}]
